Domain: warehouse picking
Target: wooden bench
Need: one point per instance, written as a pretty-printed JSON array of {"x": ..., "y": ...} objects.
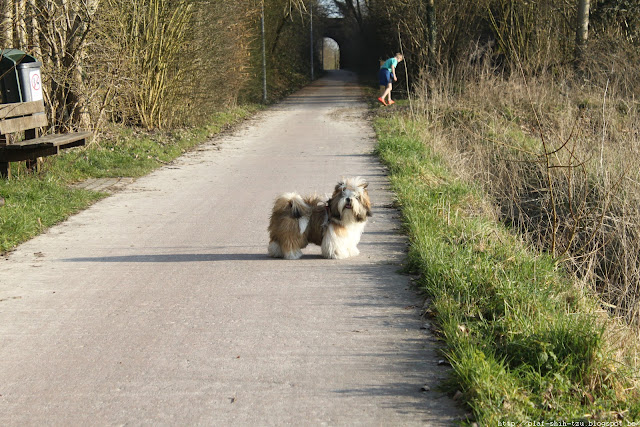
[{"x": 29, "y": 117}]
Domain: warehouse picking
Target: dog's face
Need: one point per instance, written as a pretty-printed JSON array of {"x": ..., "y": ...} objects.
[{"x": 350, "y": 200}]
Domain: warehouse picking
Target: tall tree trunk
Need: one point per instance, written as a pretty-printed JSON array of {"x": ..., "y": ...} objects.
[
  {"x": 582, "y": 31},
  {"x": 34, "y": 31},
  {"x": 431, "y": 31},
  {"x": 21, "y": 24},
  {"x": 7, "y": 23}
]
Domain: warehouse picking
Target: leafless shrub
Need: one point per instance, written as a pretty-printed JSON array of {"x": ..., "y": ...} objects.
[{"x": 138, "y": 52}]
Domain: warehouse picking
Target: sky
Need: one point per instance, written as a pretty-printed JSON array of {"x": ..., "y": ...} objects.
[
  {"x": 330, "y": 6},
  {"x": 331, "y": 44}
]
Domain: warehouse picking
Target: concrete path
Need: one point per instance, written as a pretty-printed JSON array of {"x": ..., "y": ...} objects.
[{"x": 159, "y": 306}]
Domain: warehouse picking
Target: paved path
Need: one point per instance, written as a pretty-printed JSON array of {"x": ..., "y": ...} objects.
[{"x": 159, "y": 306}]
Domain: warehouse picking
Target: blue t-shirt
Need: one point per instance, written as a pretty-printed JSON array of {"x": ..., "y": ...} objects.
[{"x": 391, "y": 62}]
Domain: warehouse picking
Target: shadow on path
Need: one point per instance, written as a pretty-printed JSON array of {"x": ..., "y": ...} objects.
[
  {"x": 173, "y": 258},
  {"x": 167, "y": 258}
]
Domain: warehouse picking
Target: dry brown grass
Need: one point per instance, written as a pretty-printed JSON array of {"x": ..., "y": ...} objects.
[{"x": 559, "y": 154}]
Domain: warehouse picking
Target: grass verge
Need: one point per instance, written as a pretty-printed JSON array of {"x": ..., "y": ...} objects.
[
  {"x": 36, "y": 201},
  {"x": 524, "y": 342}
]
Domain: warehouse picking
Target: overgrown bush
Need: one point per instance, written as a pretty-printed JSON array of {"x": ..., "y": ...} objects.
[{"x": 156, "y": 63}]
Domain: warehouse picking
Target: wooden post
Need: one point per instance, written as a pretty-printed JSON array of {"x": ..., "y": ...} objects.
[
  {"x": 5, "y": 168},
  {"x": 32, "y": 134},
  {"x": 311, "y": 41}
]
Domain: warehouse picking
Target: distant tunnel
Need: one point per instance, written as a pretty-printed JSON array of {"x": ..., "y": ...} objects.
[
  {"x": 343, "y": 45},
  {"x": 330, "y": 54}
]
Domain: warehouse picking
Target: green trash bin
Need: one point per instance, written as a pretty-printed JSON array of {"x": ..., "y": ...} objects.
[{"x": 20, "y": 79}]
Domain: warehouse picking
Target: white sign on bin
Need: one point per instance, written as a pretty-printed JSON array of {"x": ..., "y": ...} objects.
[{"x": 36, "y": 85}]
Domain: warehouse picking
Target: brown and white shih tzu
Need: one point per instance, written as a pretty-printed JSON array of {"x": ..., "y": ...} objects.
[{"x": 335, "y": 224}]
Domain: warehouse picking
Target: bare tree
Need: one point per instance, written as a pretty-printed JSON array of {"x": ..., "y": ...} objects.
[
  {"x": 62, "y": 28},
  {"x": 352, "y": 8}
]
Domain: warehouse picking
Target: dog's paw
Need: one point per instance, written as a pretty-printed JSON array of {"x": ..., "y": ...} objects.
[
  {"x": 275, "y": 250},
  {"x": 336, "y": 254},
  {"x": 293, "y": 255},
  {"x": 354, "y": 251}
]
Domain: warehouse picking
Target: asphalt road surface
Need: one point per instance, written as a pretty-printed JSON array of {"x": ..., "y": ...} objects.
[{"x": 159, "y": 305}]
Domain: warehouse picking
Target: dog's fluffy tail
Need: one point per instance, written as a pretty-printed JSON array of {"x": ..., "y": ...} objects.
[{"x": 293, "y": 206}]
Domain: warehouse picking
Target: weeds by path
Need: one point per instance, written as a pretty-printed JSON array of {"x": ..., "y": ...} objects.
[
  {"x": 524, "y": 342},
  {"x": 36, "y": 201}
]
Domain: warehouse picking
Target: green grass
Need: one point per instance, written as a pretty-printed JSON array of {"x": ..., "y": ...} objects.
[
  {"x": 524, "y": 342},
  {"x": 36, "y": 201},
  {"x": 33, "y": 204}
]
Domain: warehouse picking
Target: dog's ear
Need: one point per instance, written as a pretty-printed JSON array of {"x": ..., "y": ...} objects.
[
  {"x": 338, "y": 190},
  {"x": 364, "y": 185},
  {"x": 333, "y": 206}
]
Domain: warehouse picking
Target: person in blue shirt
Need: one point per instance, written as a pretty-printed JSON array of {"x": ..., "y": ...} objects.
[{"x": 386, "y": 73}]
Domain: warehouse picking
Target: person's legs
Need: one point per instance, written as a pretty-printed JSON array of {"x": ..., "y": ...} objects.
[
  {"x": 387, "y": 93},
  {"x": 383, "y": 88},
  {"x": 385, "y": 82}
]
